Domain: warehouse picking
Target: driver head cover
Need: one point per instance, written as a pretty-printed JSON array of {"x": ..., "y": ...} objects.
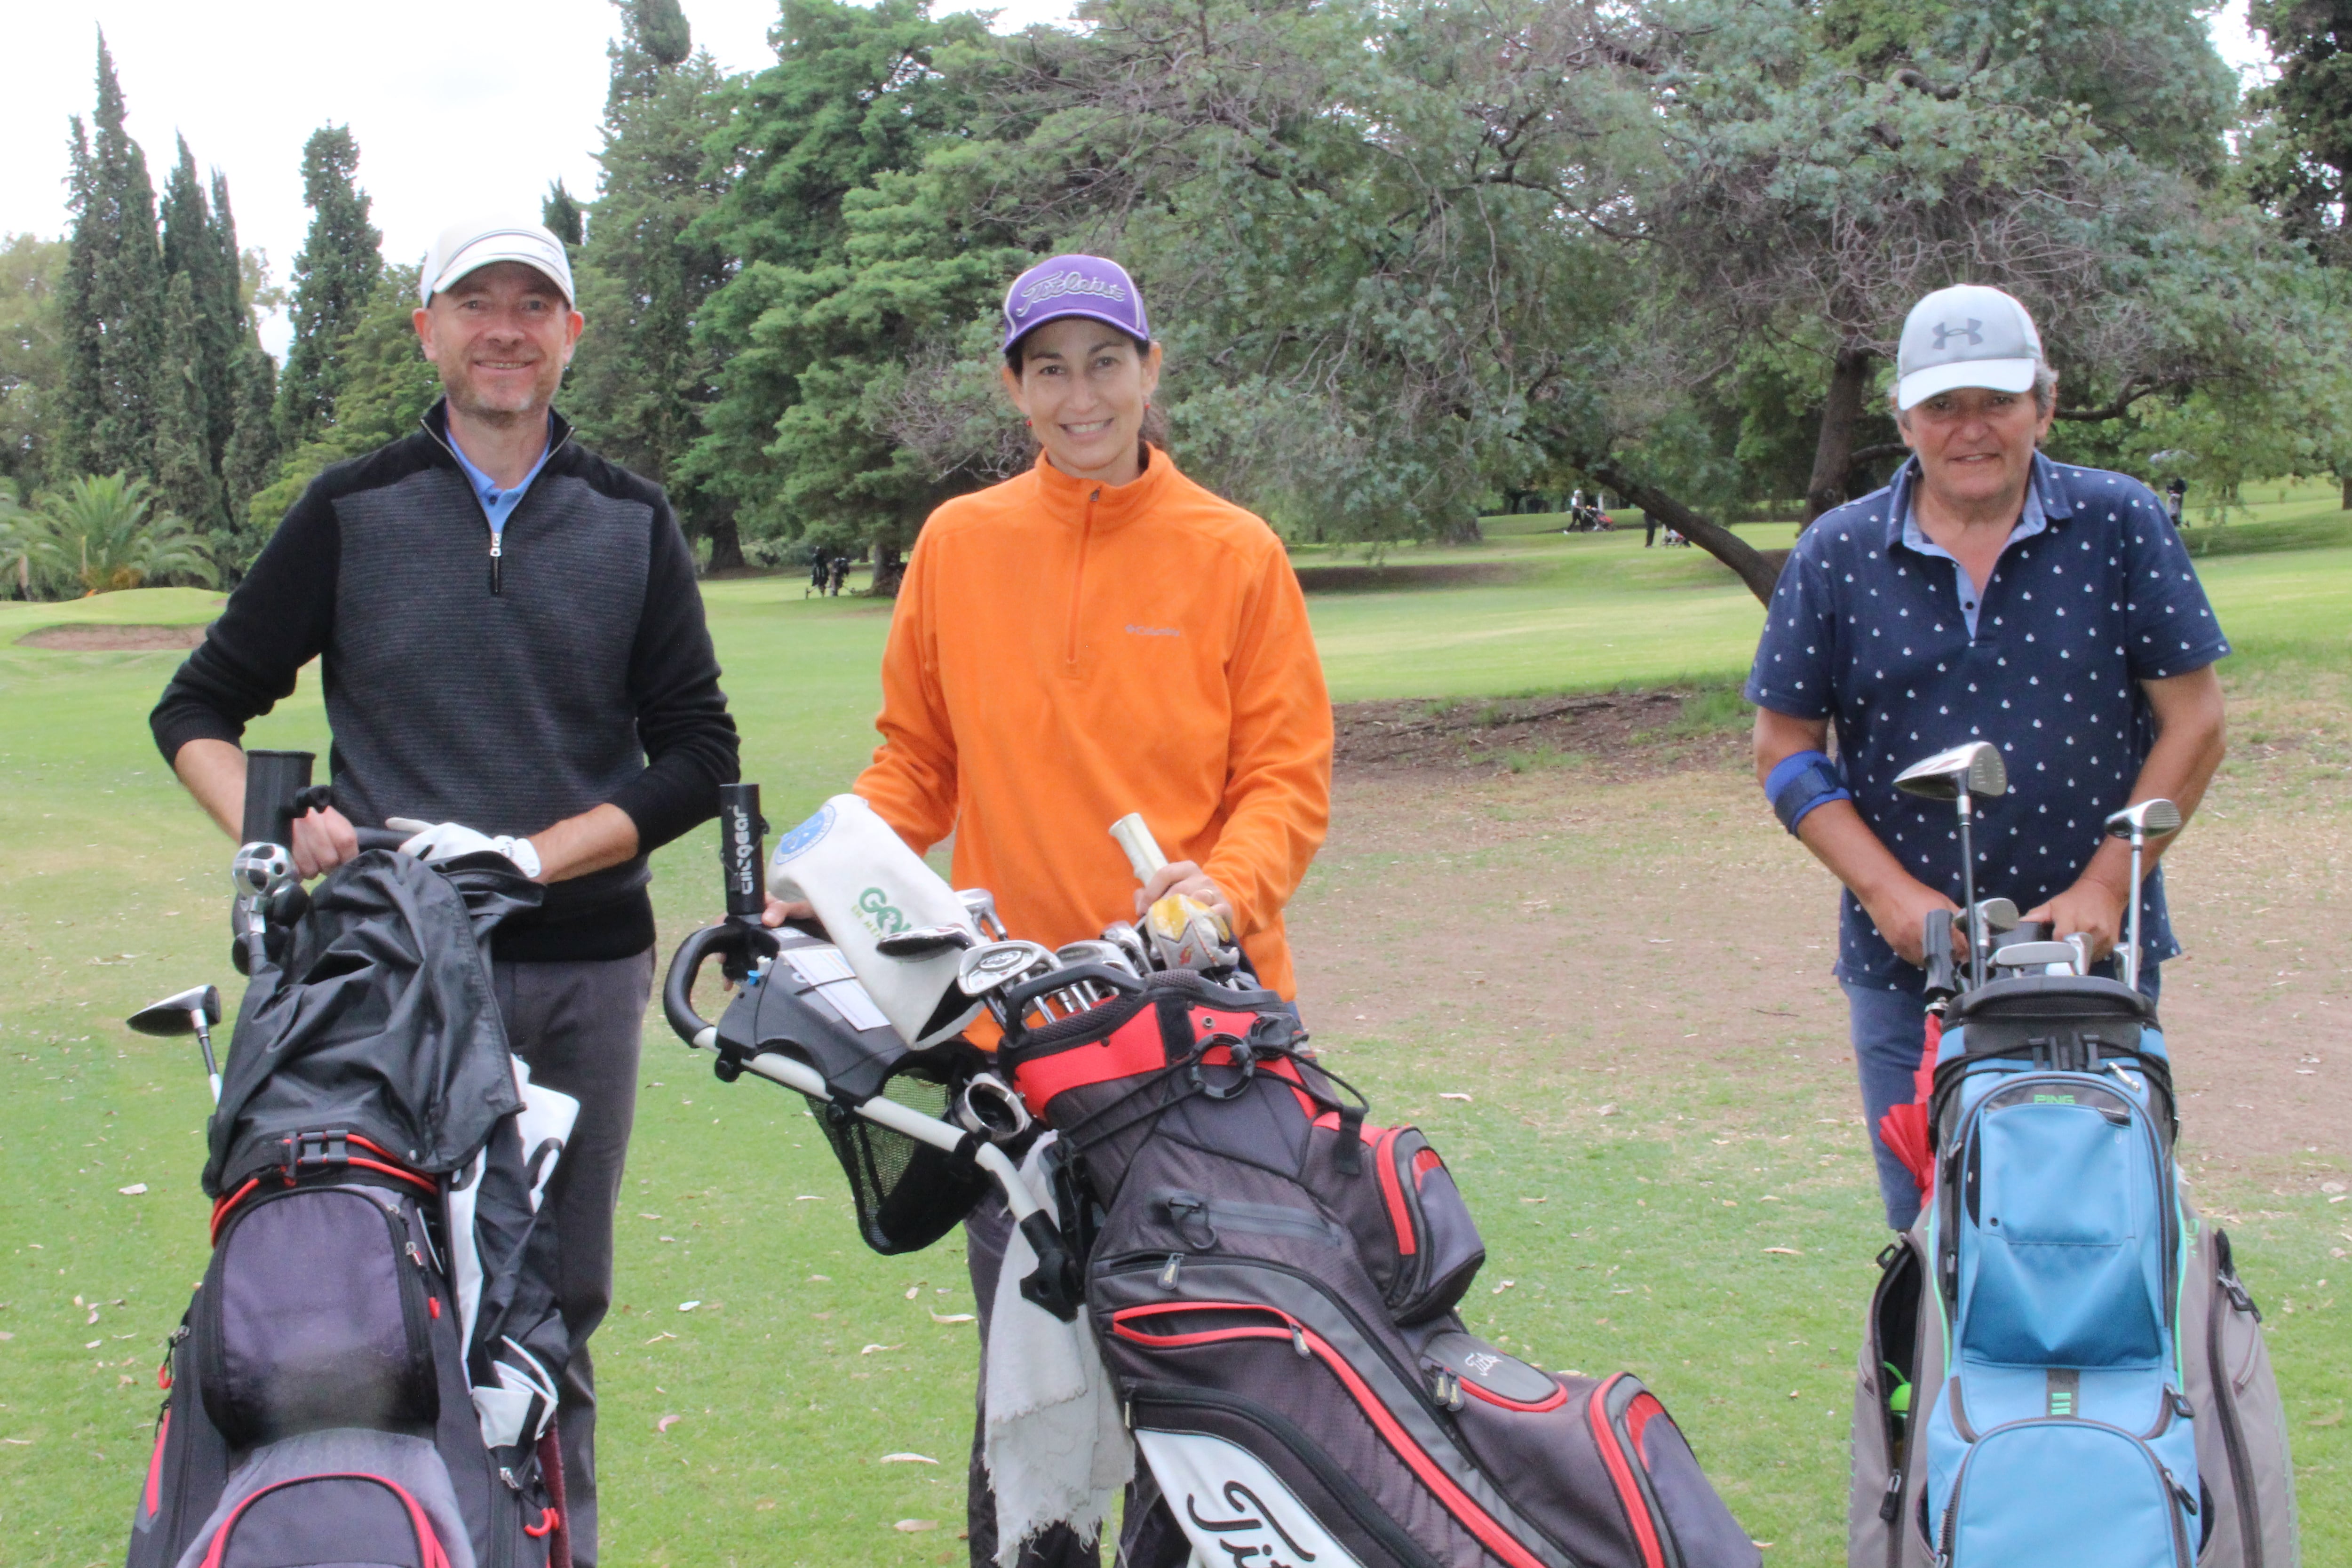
[
  {"x": 865, "y": 884},
  {"x": 1968, "y": 336}
]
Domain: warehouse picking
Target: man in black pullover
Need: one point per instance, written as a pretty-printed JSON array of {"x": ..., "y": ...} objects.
[{"x": 514, "y": 659}]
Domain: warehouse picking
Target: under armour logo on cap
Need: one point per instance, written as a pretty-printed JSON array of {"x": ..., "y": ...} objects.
[{"x": 1973, "y": 331}]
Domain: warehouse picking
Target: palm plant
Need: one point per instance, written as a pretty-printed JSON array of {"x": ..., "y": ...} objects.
[
  {"x": 106, "y": 538},
  {"x": 27, "y": 553}
]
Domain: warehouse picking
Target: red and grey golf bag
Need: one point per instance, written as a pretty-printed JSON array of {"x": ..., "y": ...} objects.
[
  {"x": 1273, "y": 1281},
  {"x": 369, "y": 1371}
]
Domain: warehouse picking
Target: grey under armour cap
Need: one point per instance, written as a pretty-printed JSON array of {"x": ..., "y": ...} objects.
[{"x": 1968, "y": 336}]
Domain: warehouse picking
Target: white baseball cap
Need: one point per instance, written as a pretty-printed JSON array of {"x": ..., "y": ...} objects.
[
  {"x": 1968, "y": 336},
  {"x": 466, "y": 247}
]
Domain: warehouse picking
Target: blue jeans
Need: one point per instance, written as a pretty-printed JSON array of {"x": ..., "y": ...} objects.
[{"x": 1889, "y": 1029}]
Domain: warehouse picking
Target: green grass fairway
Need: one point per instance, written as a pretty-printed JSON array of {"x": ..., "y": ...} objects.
[{"x": 808, "y": 1359}]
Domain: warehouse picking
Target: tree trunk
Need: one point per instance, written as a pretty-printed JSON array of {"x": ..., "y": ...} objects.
[
  {"x": 726, "y": 543},
  {"x": 1753, "y": 567},
  {"x": 2346, "y": 480},
  {"x": 889, "y": 566},
  {"x": 1841, "y": 412}
]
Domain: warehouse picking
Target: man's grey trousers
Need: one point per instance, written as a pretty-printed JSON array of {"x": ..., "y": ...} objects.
[{"x": 578, "y": 1026}]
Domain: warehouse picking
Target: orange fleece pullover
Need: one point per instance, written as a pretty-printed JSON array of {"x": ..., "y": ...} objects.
[{"x": 1063, "y": 652}]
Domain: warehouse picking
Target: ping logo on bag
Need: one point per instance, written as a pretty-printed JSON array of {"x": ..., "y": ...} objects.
[
  {"x": 1233, "y": 1508},
  {"x": 878, "y": 914},
  {"x": 2053, "y": 1100}
]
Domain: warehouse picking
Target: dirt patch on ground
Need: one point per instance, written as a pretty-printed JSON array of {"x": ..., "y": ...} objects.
[
  {"x": 1627, "y": 735},
  {"x": 1579, "y": 926},
  {"x": 1430, "y": 574},
  {"x": 113, "y": 639}
]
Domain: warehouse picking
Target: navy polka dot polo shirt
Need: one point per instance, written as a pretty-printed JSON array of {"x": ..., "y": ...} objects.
[{"x": 1871, "y": 633}]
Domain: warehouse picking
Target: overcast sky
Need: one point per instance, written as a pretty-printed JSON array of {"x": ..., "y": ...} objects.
[{"x": 471, "y": 110}]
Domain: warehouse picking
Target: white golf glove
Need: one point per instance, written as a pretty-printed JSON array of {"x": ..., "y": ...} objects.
[{"x": 437, "y": 841}]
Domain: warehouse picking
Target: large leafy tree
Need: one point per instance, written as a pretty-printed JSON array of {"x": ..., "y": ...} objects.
[
  {"x": 335, "y": 278},
  {"x": 111, "y": 298},
  {"x": 641, "y": 380},
  {"x": 856, "y": 95},
  {"x": 2302, "y": 164},
  {"x": 31, "y": 360}
]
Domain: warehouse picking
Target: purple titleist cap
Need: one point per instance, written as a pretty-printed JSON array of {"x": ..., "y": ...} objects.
[{"x": 1085, "y": 286}]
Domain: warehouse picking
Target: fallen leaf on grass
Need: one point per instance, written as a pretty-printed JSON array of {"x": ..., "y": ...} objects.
[
  {"x": 688, "y": 1306},
  {"x": 1606, "y": 1110},
  {"x": 907, "y": 1459},
  {"x": 666, "y": 1423},
  {"x": 1503, "y": 1286},
  {"x": 93, "y": 1344},
  {"x": 1785, "y": 1251},
  {"x": 133, "y": 1189},
  {"x": 659, "y": 1338},
  {"x": 5, "y": 1334},
  {"x": 913, "y": 1291},
  {"x": 2333, "y": 1418},
  {"x": 915, "y": 1526},
  {"x": 869, "y": 1350},
  {"x": 1462, "y": 1098},
  {"x": 809, "y": 1198},
  {"x": 17, "y": 1441},
  {"x": 951, "y": 1317}
]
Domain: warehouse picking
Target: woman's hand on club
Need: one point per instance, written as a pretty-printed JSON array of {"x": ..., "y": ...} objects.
[{"x": 1186, "y": 877}]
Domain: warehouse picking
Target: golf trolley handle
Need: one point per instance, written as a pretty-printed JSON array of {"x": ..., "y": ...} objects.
[{"x": 730, "y": 938}]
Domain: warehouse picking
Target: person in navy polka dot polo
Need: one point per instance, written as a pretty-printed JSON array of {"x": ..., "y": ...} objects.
[{"x": 1987, "y": 593}]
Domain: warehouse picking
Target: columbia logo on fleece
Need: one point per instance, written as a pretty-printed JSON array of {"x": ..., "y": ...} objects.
[{"x": 1135, "y": 631}]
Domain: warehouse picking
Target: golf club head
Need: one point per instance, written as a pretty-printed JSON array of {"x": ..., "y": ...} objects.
[
  {"x": 262, "y": 870},
  {"x": 1975, "y": 768},
  {"x": 980, "y": 904},
  {"x": 1129, "y": 941},
  {"x": 1996, "y": 915},
  {"x": 176, "y": 1014},
  {"x": 925, "y": 941},
  {"x": 1098, "y": 950},
  {"x": 1000, "y": 963},
  {"x": 2146, "y": 819}
]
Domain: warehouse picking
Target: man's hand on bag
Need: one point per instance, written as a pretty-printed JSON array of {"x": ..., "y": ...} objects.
[
  {"x": 435, "y": 842},
  {"x": 1900, "y": 913},
  {"x": 323, "y": 841},
  {"x": 2093, "y": 906}
]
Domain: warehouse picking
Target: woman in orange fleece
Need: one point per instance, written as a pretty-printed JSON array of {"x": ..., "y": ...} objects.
[{"x": 1100, "y": 636}]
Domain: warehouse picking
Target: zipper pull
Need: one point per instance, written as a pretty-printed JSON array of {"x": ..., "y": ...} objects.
[
  {"x": 2188, "y": 1503},
  {"x": 1298, "y": 1338},
  {"x": 1168, "y": 1275},
  {"x": 1891, "y": 1503},
  {"x": 498, "y": 551},
  {"x": 413, "y": 1254}
]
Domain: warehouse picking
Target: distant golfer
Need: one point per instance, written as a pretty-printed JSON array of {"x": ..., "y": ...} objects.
[
  {"x": 511, "y": 646},
  {"x": 2175, "y": 500},
  {"x": 1987, "y": 593},
  {"x": 1096, "y": 636}
]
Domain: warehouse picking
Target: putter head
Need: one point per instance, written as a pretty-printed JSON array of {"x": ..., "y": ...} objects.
[
  {"x": 1975, "y": 768},
  {"x": 925, "y": 941},
  {"x": 2146, "y": 820},
  {"x": 261, "y": 871},
  {"x": 997, "y": 964},
  {"x": 176, "y": 1014}
]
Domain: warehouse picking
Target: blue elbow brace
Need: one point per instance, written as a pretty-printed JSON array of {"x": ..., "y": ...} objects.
[{"x": 1801, "y": 782}]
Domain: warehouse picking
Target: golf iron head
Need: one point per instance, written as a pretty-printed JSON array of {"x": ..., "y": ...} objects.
[
  {"x": 2145, "y": 820},
  {"x": 1974, "y": 769},
  {"x": 925, "y": 941}
]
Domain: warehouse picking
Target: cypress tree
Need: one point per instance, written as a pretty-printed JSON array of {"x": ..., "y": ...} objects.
[
  {"x": 111, "y": 297},
  {"x": 561, "y": 213},
  {"x": 186, "y": 484},
  {"x": 334, "y": 275},
  {"x": 641, "y": 380}
]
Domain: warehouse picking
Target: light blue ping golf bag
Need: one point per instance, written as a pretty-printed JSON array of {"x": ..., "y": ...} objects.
[{"x": 2060, "y": 1368}]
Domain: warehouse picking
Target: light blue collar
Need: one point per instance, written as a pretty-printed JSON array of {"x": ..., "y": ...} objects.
[
  {"x": 2033, "y": 520},
  {"x": 498, "y": 505}
]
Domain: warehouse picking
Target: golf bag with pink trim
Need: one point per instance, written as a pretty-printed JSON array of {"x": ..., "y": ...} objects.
[{"x": 1273, "y": 1282}]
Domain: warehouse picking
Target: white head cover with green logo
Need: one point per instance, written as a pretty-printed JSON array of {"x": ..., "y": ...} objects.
[{"x": 865, "y": 884}]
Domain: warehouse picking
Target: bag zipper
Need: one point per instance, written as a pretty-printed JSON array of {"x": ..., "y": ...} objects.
[
  {"x": 1616, "y": 1458},
  {"x": 498, "y": 535},
  {"x": 1185, "y": 1209}
]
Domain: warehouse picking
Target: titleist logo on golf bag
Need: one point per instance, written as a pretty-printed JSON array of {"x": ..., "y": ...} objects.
[{"x": 1273, "y": 1281}]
